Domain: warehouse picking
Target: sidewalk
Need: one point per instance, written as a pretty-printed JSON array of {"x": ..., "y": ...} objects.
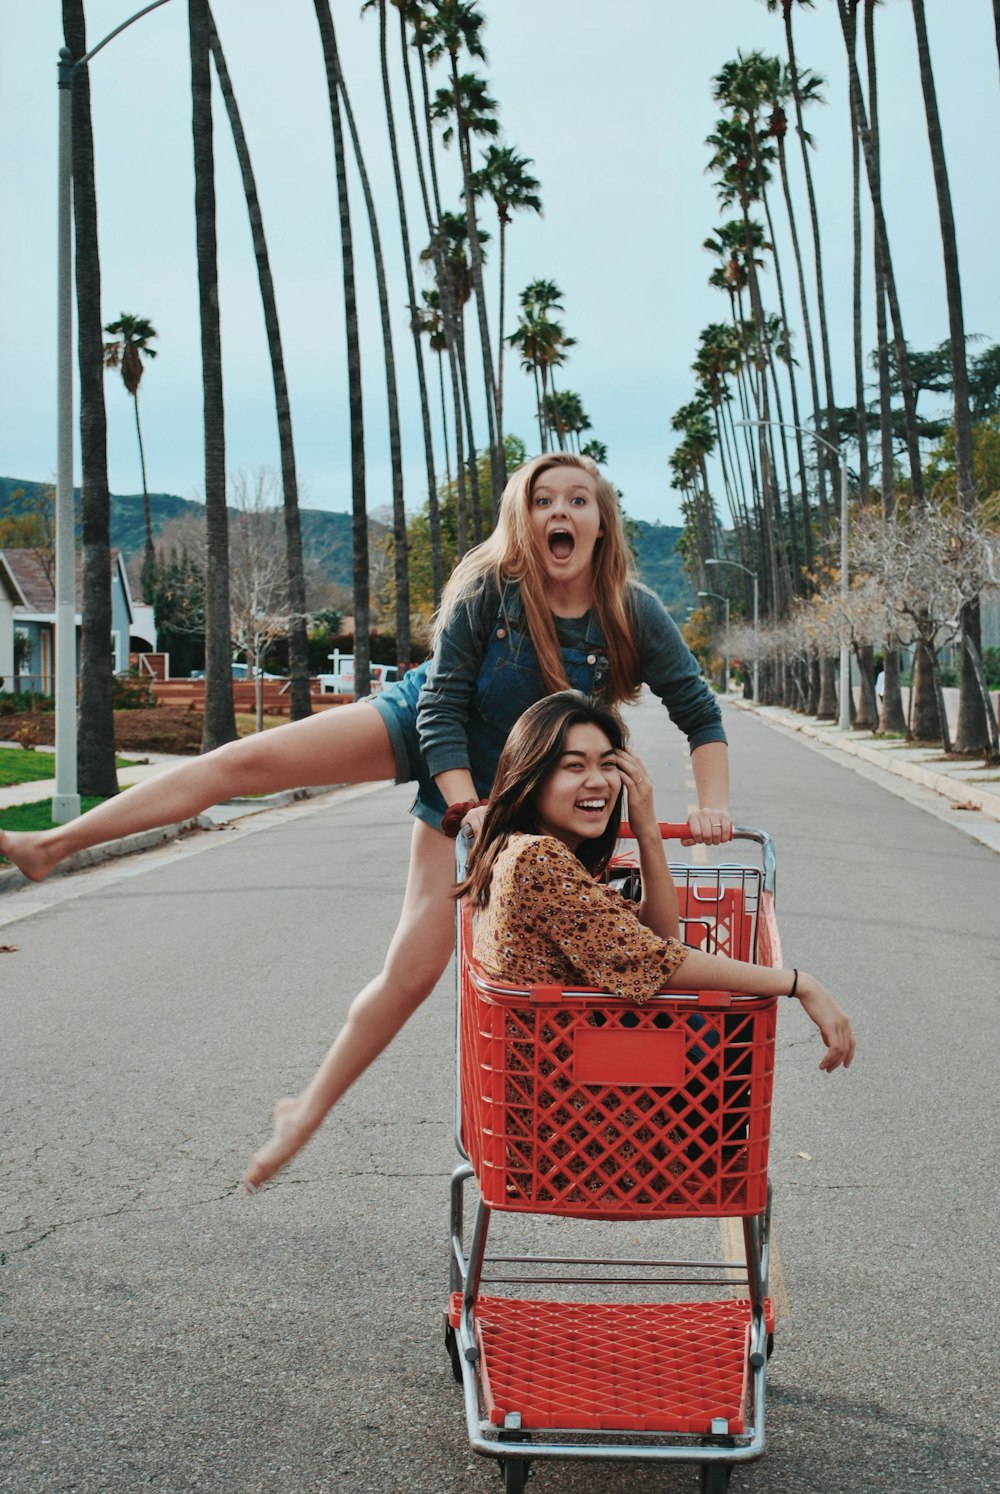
[
  {"x": 147, "y": 766},
  {"x": 968, "y": 793}
]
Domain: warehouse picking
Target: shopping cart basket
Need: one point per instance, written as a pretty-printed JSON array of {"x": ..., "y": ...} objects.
[{"x": 581, "y": 1104}]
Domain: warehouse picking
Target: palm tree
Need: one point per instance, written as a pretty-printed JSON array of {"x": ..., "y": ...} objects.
[
  {"x": 401, "y": 573},
  {"x": 96, "y": 727},
  {"x": 973, "y": 733},
  {"x": 447, "y": 252},
  {"x": 132, "y": 338},
  {"x": 412, "y": 11},
  {"x": 926, "y": 723},
  {"x": 430, "y": 320},
  {"x": 298, "y": 633},
  {"x": 892, "y": 717},
  {"x": 220, "y": 722},
  {"x": 456, "y": 25},
  {"x": 504, "y": 176},
  {"x": 416, "y": 325},
  {"x": 359, "y": 509},
  {"x": 799, "y": 99},
  {"x": 733, "y": 159},
  {"x": 597, "y": 451}
]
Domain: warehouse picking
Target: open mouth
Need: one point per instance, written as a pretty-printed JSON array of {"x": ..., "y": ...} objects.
[
  {"x": 592, "y": 806},
  {"x": 561, "y": 544}
]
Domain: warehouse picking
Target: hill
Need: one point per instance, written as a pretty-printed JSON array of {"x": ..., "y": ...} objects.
[{"x": 327, "y": 537}]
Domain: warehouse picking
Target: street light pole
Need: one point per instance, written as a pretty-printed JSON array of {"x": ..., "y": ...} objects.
[
  {"x": 844, "y": 715},
  {"x": 725, "y": 657},
  {"x": 66, "y": 799},
  {"x": 711, "y": 560}
]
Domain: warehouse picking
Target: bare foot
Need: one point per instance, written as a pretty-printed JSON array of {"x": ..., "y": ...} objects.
[
  {"x": 291, "y": 1132},
  {"x": 30, "y": 853}
]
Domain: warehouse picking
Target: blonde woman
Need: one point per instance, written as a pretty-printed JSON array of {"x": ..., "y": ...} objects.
[{"x": 546, "y": 603}]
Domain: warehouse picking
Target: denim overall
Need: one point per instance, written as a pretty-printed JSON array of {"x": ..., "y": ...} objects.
[{"x": 509, "y": 680}]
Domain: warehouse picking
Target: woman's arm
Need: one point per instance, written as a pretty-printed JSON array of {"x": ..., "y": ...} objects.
[
  {"x": 711, "y": 821},
  {"x": 717, "y": 973},
  {"x": 446, "y": 698},
  {"x": 658, "y": 904}
]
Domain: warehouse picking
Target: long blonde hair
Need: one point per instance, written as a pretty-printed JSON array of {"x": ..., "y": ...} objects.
[{"x": 511, "y": 554}]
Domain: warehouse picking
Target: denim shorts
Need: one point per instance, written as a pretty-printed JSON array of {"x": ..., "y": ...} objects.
[{"x": 398, "y": 708}]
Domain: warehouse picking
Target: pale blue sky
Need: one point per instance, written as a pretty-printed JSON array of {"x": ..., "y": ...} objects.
[{"x": 612, "y": 101}]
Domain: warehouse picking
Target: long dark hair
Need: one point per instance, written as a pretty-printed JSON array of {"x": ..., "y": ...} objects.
[{"x": 530, "y": 756}]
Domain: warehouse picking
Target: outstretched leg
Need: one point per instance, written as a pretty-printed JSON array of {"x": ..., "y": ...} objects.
[
  {"x": 346, "y": 744},
  {"x": 416, "y": 960}
]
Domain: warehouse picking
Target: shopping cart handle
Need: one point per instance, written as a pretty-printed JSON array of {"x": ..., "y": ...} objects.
[{"x": 669, "y": 831}]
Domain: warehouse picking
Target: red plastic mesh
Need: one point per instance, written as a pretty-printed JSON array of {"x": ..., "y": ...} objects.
[
  {"x": 665, "y": 1367},
  {"x": 542, "y": 1141}
]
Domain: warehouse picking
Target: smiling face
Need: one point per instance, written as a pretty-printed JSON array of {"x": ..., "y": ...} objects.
[
  {"x": 576, "y": 800},
  {"x": 565, "y": 519}
]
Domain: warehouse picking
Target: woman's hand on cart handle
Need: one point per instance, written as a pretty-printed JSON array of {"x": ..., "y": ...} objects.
[
  {"x": 831, "y": 1019},
  {"x": 710, "y": 827}
]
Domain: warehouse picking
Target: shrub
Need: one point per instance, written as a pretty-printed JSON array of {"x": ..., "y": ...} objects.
[{"x": 132, "y": 693}]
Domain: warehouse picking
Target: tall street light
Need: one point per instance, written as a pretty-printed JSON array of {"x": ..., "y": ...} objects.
[
  {"x": 725, "y": 657},
  {"x": 756, "y": 614},
  {"x": 844, "y": 717},
  {"x": 66, "y": 799}
]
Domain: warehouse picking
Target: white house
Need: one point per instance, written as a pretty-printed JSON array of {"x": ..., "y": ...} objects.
[{"x": 28, "y": 607}]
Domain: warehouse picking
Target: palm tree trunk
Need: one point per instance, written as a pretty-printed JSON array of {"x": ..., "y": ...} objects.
[
  {"x": 149, "y": 557},
  {"x": 400, "y": 546},
  {"x": 96, "y": 728},
  {"x": 892, "y": 717},
  {"x": 799, "y": 585},
  {"x": 973, "y": 734},
  {"x": 923, "y": 700},
  {"x": 500, "y": 336},
  {"x": 874, "y": 185},
  {"x": 298, "y": 635},
  {"x": 220, "y": 722},
  {"x": 824, "y": 335},
  {"x": 824, "y": 515},
  {"x": 444, "y": 433},
  {"x": 434, "y": 513},
  {"x": 449, "y": 312},
  {"x": 433, "y": 516},
  {"x": 497, "y": 474},
  {"x": 359, "y": 510}
]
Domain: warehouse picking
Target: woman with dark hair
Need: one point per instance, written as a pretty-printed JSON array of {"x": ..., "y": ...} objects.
[
  {"x": 547, "y": 601},
  {"x": 550, "y": 826}
]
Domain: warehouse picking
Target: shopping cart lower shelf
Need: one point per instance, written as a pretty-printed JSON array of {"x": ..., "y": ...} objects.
[{"x": 678, "y": 1367}]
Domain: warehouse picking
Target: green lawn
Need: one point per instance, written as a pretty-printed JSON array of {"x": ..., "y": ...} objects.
[
  {"x": 19, "y": 766},
  {"x": 37, "y": 816}
]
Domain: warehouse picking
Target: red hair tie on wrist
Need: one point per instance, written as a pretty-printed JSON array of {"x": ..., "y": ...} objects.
[{"x": 451, "y": 821}]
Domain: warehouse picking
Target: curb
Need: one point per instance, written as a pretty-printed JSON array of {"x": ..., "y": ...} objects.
[
  {"x": 213, "y": 818},
  {"x": 947, "y": 785}
]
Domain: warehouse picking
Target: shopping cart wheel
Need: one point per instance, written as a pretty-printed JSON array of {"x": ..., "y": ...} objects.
[
  {"x": 715, "y": 1478},
  {"x": 515, "y": 1473},
  {"x": 451, "y": 1344}
]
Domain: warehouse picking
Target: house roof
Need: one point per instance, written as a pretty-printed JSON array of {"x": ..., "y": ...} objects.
[
  {"x": 36, "y": 581},
  {"x": 11, "y": 584}
]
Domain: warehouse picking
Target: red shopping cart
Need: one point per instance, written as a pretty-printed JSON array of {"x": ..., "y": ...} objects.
[{"x": 581, "y": 1104}]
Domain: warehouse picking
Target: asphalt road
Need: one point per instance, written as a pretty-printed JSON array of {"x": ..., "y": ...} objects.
[{"x": 162, "y": 1332}]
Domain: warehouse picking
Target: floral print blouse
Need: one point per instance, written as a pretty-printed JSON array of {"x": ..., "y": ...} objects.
[{"x": 549, "y": 923}]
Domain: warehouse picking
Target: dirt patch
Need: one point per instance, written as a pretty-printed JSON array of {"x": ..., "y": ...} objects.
[{"x": 163, "y": 729}]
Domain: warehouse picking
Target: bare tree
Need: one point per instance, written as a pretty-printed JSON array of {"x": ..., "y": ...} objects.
[{"x": 259, "y": 608}]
